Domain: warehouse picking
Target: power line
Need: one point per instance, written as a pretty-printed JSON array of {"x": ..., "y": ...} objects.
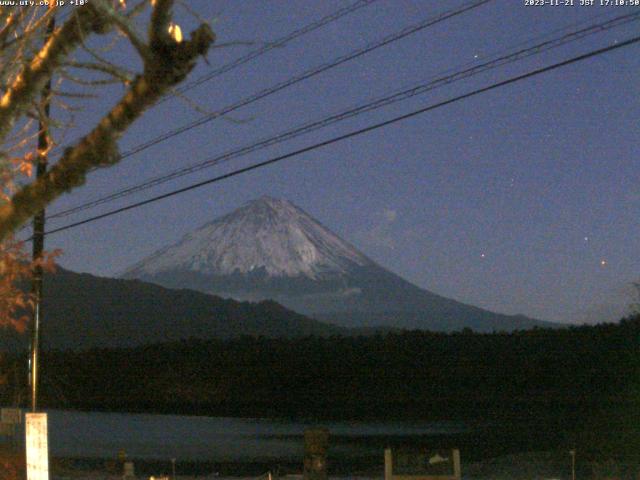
[
  {"x": 355, "y": 133},
  {"x": 305, "y": 75},
  {"x": 280, "y": 42},
  {"x": 405, "y": 32},
  {"x": 363, "y": 108}
]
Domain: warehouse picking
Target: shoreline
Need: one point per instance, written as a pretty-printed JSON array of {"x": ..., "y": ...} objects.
[{"x": 538, "y": 465}]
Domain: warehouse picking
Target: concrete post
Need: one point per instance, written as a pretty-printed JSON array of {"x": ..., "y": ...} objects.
[{"x": 388, "y": 464}]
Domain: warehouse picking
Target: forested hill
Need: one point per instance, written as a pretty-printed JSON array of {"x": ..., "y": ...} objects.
[
  {"x": 574, "y": 375},
  {"x": 83, "y": 311}
]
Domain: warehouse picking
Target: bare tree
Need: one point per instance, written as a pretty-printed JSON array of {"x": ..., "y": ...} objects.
[{"x": 30, "y": 56}]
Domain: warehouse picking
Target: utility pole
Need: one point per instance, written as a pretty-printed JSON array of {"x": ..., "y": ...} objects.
[{"x": 38, "y": 229}]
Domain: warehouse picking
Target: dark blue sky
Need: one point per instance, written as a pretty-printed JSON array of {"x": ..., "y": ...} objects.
[{"x": 522, "y": 200}]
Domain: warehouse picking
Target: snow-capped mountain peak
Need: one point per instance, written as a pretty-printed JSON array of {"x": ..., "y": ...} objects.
[
  {"x": 268, "y": 235},
  {"x": 271, "y": 249}
]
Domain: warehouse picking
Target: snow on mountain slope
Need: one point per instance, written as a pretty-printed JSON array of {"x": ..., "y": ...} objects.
[
  {"x": 271, "y": 249},
  {"x": 266, "y": 234}
]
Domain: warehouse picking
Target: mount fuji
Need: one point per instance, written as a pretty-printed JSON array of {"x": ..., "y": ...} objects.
[{"x": 271, "y": 249}]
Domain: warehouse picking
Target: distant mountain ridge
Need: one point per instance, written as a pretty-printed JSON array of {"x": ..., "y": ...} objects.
[
  {"x": 271, "y": 249},
  {"x": 82, "y": 311}
]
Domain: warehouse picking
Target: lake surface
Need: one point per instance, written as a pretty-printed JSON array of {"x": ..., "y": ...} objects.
[{"x": 217, "y": 439}]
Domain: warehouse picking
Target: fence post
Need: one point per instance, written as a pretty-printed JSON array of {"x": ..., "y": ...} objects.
[{"x": 316, "y": 443}]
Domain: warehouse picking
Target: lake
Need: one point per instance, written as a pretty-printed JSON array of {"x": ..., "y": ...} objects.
[{"x": 218, "y": 439}]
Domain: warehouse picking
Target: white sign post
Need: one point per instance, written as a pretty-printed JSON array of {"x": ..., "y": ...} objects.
[{"x": 37, "y": 446}]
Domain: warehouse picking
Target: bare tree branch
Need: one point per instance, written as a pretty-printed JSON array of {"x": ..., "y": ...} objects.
[
  {"x": 35, "y": 74},
  {"x": 170, "y": 63},
  {"x": 160, "y": 21},
  {"x": 127, "y": 28},
  {"x": 108, "y": 68}
]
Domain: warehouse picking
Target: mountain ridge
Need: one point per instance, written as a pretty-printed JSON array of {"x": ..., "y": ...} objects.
[
  {"x": 83, "y": 311},
  {"x": 272, "y": 249}
]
